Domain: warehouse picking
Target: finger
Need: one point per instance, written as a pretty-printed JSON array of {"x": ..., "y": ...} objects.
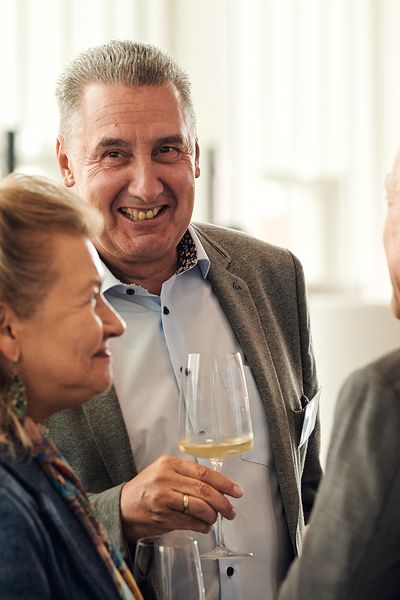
[
  {"x": 206, "y": 496},
  {"x": 203, "y": 510},
  {"x": 212, "y": 478},
  {"x": 193, "y": 511}
]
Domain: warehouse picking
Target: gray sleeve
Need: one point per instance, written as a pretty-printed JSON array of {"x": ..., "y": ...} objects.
[
  {"x": 107, "y": 508},
  {"x": 351, "y": 550},
  {"x": 312, "y": 468}
]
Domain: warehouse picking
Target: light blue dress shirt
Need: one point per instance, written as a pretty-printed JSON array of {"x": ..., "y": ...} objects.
[{"x": 161, "y": 331}]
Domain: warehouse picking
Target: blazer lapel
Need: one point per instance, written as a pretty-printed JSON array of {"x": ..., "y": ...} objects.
[{"x": 241, "y": 311}]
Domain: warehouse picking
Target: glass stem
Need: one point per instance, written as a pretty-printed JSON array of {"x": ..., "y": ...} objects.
[{"x": 219, "y": 533}]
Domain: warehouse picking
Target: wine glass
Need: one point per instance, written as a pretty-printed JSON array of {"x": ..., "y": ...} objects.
[
  {"x": 215, "y": 419},
  {"x": 167, "y": 567}
]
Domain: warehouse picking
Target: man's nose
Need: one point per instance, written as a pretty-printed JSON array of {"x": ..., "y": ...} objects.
[{"x": 145, "y": 183}]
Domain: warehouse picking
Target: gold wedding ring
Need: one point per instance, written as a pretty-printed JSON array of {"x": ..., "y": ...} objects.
[{"x": 185, "y": 504}]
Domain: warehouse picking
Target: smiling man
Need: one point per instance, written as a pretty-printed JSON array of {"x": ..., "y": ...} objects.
[
  {"x": 128, "y": 144},
  {"x": 145, "y": 131}
]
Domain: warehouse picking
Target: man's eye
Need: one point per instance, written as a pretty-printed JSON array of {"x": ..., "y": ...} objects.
[
  {"x": 166, "y": 149},
  {"x": 168, "y": 153},
  {"x": 113, "y": 154}
]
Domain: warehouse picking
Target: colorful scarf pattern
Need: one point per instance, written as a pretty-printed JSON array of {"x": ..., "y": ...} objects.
[{"x": 67, "y": 485}]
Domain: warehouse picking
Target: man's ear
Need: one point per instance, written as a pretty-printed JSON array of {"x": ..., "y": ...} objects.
[
  {"x": 64, "y": 163},
  {"x": 197, "y": 160},
  {"x": 9, "y": 344}
]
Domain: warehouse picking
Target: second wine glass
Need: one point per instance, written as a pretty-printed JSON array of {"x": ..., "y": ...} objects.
[
  {"x": 167, "y": 567},
  {"x": 215, "y": 420}
]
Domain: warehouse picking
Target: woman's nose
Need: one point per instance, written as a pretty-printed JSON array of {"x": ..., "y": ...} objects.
[{"x": 113, "y": 325}]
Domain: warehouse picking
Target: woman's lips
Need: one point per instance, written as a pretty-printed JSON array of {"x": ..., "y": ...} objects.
[{"x": 104, "y": 353}]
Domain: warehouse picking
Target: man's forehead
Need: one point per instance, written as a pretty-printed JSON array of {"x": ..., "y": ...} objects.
[{"x": 101, "y": 102}]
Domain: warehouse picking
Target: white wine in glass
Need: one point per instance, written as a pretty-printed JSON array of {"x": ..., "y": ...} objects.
[{"x": 215, "y": 420}]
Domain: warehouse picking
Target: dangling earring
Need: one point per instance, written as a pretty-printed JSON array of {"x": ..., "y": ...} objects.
[{"x": 18, "y": 396}]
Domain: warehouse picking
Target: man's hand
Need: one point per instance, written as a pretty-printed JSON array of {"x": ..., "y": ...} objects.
[{"x": 153, "y": 502}]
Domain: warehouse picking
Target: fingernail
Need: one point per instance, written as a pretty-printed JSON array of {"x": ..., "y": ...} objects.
[{"x": 237, "y": 490}]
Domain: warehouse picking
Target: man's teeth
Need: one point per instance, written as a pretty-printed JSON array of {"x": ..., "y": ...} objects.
[{"x": 140, "y": 215}]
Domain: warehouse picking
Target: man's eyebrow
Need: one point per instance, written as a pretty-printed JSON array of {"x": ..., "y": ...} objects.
[
  {"x": 121, "y": 143},
  {"x": 112, "y": 143},
  {"x": 170, "y": 139}
]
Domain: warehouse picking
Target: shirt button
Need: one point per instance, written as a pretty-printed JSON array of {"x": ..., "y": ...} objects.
[
  {"x": 130, "y": 291},
  {"x": 166, "y": 310},
  {"x": 230, "y": 571}
]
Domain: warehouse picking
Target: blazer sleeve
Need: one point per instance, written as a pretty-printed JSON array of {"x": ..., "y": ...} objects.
[
  {"x": 107, "y": 507},
  {"x": 351, "y": 550},
  {"x": 312, "y": 472}
]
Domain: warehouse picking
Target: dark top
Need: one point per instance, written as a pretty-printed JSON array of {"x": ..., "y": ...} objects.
[{"x": 44, "y": 550}]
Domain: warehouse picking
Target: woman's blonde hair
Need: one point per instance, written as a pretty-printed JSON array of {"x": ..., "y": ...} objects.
[{"x": 32, "y": 209}]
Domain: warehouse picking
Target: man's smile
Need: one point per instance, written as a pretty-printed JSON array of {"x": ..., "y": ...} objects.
[{"x": 140, "y": 215}]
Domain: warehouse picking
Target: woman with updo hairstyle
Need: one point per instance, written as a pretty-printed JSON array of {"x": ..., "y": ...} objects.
[{"x": 54, "y": 332}]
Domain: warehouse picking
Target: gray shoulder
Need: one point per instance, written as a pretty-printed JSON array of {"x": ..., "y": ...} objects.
[
  {"x": 245, "y": 248},
  {"x": 368, "y": 404},
  {"x": 383, "y": 373}
]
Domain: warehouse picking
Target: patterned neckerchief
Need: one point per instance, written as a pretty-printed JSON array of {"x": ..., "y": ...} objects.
[
  {"x": 187, "y": 254},
  {"x": 67, "y": 485}
]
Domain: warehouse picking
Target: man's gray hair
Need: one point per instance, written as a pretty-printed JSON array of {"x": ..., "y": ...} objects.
[{"x": 119, "y": 62}]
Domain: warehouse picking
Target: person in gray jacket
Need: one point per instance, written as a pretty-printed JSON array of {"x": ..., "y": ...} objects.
[
  {"x": 352, "y": 548},
  {"x": 128, "y": 143}
]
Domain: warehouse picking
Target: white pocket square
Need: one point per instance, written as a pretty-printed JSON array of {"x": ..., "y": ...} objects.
[{"x": 310, "y": 417}]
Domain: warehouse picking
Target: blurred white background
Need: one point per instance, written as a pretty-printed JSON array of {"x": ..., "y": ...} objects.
[{"x": 298, "y": 105}]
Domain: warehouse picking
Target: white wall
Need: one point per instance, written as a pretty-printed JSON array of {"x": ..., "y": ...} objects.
[
  {"x": 347, "y": 335},
  {"x": 300, "y": 102}
]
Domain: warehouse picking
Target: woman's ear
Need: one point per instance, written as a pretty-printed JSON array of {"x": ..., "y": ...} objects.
[{"x": 9, "y": 345}]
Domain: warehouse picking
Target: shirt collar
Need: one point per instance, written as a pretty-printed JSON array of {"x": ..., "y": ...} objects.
[
  {"x": 190, "y": 254},
  {"x": 191, "y": 246},
  {"x": 109, "y": 280}
]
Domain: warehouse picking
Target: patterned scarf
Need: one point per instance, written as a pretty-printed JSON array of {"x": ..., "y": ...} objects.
[{"x": 67, "y": 485}]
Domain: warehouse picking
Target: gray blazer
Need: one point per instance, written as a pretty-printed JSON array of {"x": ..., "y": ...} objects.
[
  {"x": 352, "y": 549},
  {"x": 262, "y": 292}
]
